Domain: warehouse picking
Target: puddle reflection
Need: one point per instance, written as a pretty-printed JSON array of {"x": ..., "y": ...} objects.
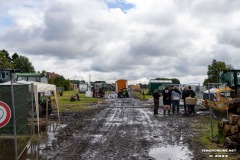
[
  {"x": 171, "y": 152},
  {"x": 33, "y": 149}
]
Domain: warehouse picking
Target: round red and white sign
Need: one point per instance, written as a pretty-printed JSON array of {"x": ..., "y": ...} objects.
[{"x": 5, "y": 114}]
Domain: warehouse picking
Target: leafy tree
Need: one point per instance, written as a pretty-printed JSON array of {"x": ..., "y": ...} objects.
[
  {"x": 5, "y": 61},
  {"x": 59, "y": 81},
  {"x": 75, "y": 81},
  {"x": 175, "y": 81},
  {"x": 23, "y": 64},
  {"x": 67, "y": 85},
  {"x": 143, "y": 86},
  {"x": 51, "y": 81},
  {"x": 213, "y": 71},
  {"x": 44, "y": 73},
  {"x": 7, "y": 55},
  {"x": 15, "y": 56}
]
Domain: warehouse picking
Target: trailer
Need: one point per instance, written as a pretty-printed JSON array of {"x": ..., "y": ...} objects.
[
  {"x": 160, "y": 84},
  {"x": 82, "y": 87},
  {"x": 121, "y": 88}
]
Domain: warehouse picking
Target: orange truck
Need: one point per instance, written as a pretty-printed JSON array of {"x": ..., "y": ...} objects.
[
  {"x": 121, "y": 88},
  {"x": 135, "y": 87}
]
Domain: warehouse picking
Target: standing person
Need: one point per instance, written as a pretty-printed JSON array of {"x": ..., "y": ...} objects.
[
  {"x": 156, "y": 96},
  {"x": 191, "y": 94},
  {"x": 185, "y": 94},
  {"x": 176, "y": 95},
  {"x": 167, "y": 99}
]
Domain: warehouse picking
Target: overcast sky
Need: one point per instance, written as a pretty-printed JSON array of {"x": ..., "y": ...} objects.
[{"x": 135, "y": 40}]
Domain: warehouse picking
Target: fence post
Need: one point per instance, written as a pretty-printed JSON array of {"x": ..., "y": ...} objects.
[
  {"x": 210, "y": 103},
  {"x": 32, "y": 109},
  {"x": 14, "y": 117}
]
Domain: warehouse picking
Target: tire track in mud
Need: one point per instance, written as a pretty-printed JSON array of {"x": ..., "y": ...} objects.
[{"x": 124, "y": 129}]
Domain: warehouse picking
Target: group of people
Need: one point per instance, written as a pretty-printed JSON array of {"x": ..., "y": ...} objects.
[{"x": 171, "y": 98}]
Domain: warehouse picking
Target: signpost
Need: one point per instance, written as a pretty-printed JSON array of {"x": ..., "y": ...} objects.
[{"x": 5, "y": 114}]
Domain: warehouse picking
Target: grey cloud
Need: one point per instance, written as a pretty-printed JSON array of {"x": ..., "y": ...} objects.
[
  {"x": 230, "y": 37},
  {"x": 58, "y": 25},
  {"x": 213, "y": 7},
  {"x": 161, "y": 41}
]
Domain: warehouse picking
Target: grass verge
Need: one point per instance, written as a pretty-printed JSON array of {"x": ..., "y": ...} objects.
[
  {"x": 85, "y": 102},
  {"x": 139, "y": 95},
  {"x": 207, "y": 137}
]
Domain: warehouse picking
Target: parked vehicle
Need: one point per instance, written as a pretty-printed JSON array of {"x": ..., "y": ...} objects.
[
  {"x": 98, "y": 89},
  {"x": 121, "y": 88},
  {"x": 4, "y": 75},
  {"x": 225, "y": 97},
  {"x": 82, "y": 87},
  {"x": 36, "y": 77},
  {"x": 159, "y": 84}
]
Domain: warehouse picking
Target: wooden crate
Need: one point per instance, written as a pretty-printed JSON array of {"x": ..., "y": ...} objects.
[{"x": 190, "y": 101}]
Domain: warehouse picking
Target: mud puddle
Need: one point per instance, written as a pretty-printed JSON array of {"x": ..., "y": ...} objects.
[
  {"x": 124, "y": 128},
  {"x": 44, "y": 141},
  {"x": 29, "y": 146},
  {"x": 171, "y": 153}
]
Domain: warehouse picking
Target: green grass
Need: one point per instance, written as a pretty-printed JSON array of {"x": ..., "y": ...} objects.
[
  {"x": 206, "y": 133},
  {"x": 205, "y": 136},
  {"x": 139, "y": 94},
  {"x": 85, "y": 102}
]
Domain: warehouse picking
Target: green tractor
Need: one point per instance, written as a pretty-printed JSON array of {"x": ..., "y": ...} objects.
[{"x": 123, "y": 93}]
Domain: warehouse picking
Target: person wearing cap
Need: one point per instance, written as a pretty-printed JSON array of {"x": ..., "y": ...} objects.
[{"x": 156, "y": 96}]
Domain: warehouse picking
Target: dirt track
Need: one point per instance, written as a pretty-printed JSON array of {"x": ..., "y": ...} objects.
[{"x": 124, "y": 129}]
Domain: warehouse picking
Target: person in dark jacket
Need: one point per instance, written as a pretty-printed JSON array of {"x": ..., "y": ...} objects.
[
  {"x": 167, "y": 99},
  {"x": 191, "y": 94},
  {"x": 156, "y": 96},
  {"x": 185, "y": 94}
]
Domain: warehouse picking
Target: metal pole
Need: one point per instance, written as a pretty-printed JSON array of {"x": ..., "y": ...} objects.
[
  {"x": 33, "y": 126},
  {"x": 210, "y": 102},
  {"x": 226, "y": 99},
  {"x": 14, "y": 118},
  {"x": 46, "y": 100}
]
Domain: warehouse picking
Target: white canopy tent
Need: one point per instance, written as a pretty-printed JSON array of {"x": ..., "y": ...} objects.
[
  {"x": 38, "y": 87},
  {"x": 44, "y": 87}
]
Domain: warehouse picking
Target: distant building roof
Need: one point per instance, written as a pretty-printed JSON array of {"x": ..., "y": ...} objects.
[{"x": 51, "y": 75}]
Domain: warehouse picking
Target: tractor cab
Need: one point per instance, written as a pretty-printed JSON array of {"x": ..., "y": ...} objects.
[{"x": 232, "y": 79}]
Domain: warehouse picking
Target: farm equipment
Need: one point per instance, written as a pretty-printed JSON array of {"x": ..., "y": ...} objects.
[
  {"x": 225, "y": 97},
  {"x": 98, "y": 89},
  {"x": 121, "y": 88},
  {"x": 82, "y": 87},
  {"x": 43, "y": 102},
  {"x": 159, "y": 84},
  {"x": 74, "y": 97},
  {"x": 123, "y": 93}
]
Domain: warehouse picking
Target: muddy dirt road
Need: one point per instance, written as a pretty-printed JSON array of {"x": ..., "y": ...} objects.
[{"x": 124, "y": 129}]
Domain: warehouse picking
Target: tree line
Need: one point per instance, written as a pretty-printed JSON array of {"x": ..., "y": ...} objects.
[
  {"x": 213, "y": 71},
  {"x": 15, "y": 61},
  {"x": 23, "y": 65}
]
